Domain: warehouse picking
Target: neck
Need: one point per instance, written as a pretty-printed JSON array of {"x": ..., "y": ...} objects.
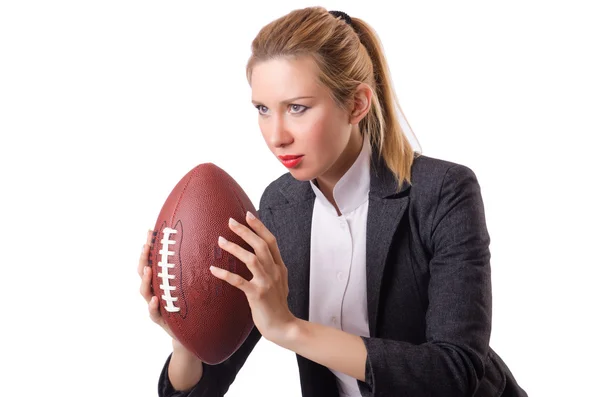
[{"x": 328, "y": 180}]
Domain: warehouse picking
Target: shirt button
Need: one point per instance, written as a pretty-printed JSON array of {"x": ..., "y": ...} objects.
[
  {"x": 334, "y": 320},
  {"x": 340, "y": 276}
]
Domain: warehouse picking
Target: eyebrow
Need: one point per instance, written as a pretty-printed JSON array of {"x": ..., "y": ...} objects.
[{"x": 287, "y": 101}]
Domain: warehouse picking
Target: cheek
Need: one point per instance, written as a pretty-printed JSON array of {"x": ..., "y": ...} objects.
[
  {"x": 319, "y": 130},
  {"x": 263, "y": 125},
  {"x": 330, "y": 134},
  {"x": 316, "y": 133}
]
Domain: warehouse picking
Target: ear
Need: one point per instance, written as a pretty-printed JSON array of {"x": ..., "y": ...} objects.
[{"x": 361, "y": 103}]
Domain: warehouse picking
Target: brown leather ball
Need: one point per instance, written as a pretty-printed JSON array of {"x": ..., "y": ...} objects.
[{"x": 207, "y": 315}]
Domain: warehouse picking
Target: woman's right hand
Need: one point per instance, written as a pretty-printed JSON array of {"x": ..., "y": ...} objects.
[
  {"x": 145, "y": 273},
  {"x": 185, "y": 369}
]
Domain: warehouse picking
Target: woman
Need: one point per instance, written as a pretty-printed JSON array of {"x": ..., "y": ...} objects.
[{"x": 370, "y": 261}]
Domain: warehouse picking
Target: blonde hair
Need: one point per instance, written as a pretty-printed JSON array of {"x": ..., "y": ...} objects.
[{"x": 346, "y": 55}]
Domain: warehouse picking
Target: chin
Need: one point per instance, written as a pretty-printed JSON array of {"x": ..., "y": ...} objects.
[{"x": 302, "y": 174}]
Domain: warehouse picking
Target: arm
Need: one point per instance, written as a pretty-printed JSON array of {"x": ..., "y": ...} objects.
[
  {"x": 327, "y": 346},
  {"x": 215, "y": 379},
  {"x": 185, "y": 369},
  {"x": 458, "y": 317}
]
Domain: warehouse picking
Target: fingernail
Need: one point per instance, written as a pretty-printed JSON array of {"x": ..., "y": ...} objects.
[
  {"x": 233, "y": 222},
  {"x": 143, "y": 247},
  {"x": 222, "y": 240},
  {"x": 145, "y": 270},
  {"x": 250, "y": 215}
]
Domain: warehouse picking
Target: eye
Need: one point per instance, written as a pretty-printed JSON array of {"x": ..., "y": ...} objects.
[
  {"x": 262, "y": 109},
  {"x": 298, "y": 108}
]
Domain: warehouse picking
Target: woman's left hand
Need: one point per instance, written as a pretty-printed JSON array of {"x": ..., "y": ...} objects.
[{"x": 267, "y": 291}]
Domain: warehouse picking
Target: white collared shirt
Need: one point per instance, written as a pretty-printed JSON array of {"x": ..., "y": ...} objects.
[{"x": 338, "y": 280}]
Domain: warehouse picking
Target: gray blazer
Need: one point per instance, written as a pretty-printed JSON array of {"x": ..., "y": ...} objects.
[{"x": 428, "y": 288}]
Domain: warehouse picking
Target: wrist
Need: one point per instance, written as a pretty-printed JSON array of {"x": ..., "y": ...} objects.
[
  {"x": 185, "y": 369},
  {"x": 182, "y": 353},
  {"x": 289, "y": 334}
]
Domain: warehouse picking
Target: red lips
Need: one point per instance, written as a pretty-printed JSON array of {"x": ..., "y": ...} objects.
[
  {"x": 290, "y": 156},
  {"x": 291, "y": 160}
]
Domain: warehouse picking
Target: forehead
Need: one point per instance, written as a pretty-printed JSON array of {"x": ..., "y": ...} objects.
[{"x": 282, "y": 78}]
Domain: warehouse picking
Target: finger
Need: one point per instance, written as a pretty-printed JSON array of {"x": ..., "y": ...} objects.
[
  {"x": 266, "y": 235},
  {"x": 155, "y": 315},
  {"x": 145, "y": 288},
  {"x": 153, "y": 310},
  {"x": 232, "y": 278},
  {"x": 251, "y": 260},
  {"x": 143, "y": 261},
  {"x": 260, "y": 246}
]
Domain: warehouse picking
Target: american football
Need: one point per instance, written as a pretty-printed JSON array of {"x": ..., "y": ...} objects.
[{"x": 207, "y": 315}]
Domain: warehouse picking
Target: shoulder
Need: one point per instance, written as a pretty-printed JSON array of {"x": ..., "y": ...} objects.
[
  {"x": 273, "y": 196},
  {"x": 431, "y": 172},
  {"x": 446, "y": 196},
  {"x": 444, "y": 193},
  {"x": 435, "y": 181}
]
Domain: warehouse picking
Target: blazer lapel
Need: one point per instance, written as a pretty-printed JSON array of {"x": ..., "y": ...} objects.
[
  {"x": 386, "y": 210},
  {"x": 293, "y": 229}
]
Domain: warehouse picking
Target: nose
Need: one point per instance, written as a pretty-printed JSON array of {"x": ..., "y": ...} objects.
[{"x": 280, "y": 135}]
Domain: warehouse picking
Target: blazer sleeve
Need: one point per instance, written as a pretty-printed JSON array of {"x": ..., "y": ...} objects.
[
  {"x": 216, "y": 379},
  {"x": 458, "y": 318}
]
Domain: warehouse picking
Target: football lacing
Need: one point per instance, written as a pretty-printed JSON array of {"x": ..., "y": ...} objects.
[{"x": 164, "y": 273}]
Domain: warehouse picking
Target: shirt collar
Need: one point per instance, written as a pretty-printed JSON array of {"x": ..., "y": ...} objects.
[{"x": 352, "y": 189}]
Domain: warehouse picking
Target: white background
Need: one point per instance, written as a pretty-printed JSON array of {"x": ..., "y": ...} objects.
[{"x": 105, "y": 105}]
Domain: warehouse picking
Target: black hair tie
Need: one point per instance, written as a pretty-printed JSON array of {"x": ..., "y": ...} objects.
[{"x": 342, "y": 14}]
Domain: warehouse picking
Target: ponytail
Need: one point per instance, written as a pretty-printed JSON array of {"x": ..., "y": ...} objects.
[{"x": 382, "y": 123}]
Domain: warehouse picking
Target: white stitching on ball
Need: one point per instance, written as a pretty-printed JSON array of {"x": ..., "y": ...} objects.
[{"x": 165, "y": 266}]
